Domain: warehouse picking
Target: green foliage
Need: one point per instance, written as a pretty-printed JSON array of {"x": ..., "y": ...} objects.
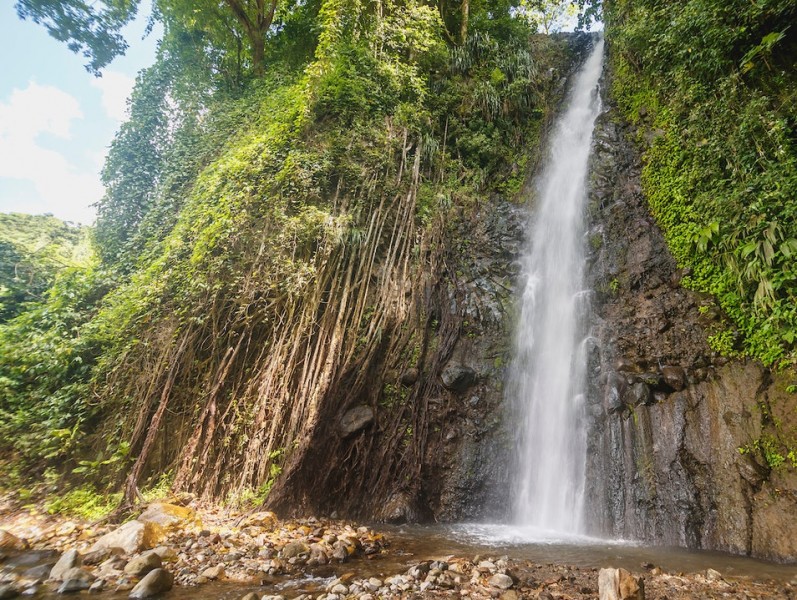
[
  {"x": 713, "y": 85},
  {"x": 249, "y": 498},
  {"x": 84, "y": 502},
  {"x": 549, "y": 15},
  {"x": 93, "y": 29},
  {"x": 33, "y": 250},
  {"x": 46, "y": 360}
]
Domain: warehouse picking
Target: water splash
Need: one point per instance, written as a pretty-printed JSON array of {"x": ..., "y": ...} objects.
[{"x": 547, "y": 374}]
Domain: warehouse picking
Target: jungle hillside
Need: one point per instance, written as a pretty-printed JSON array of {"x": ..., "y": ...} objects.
[{"x": 282, "y": 262}]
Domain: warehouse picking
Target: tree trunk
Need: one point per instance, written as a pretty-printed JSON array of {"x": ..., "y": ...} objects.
[{"x": 463, "y": 30}]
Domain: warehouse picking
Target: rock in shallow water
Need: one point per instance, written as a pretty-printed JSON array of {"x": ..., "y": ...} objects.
[
  {"x": 75, "y": 580},
  {"x": 143, "y": 564},
  {"x": 69, "y": 560},
  {"x": 155, "y": 582},
  {"x": 8, "y": 590}
]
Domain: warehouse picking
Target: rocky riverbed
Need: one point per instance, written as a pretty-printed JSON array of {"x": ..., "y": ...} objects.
[{"x": 182, "y": 550}]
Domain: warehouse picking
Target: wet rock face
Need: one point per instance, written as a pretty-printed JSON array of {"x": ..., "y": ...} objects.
[
  {"x": 466, "y": 475},
  {"x": 666, "y": 416}
]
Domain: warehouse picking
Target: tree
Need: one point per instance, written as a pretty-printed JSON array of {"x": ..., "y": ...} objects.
[
  {"x": 93, "y": 29},
  {"x": 229, "y": 24},
  {"x": 549, "y": 15}
]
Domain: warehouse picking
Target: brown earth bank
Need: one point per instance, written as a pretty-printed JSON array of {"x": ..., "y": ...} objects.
[{"x": 180, "y": 550}]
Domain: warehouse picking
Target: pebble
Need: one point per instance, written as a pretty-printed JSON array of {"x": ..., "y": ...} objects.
[{"x": 283, "y": 553}]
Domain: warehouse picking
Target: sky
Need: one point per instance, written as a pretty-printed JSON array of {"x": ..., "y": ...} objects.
[{"x": 56, "y": 119}]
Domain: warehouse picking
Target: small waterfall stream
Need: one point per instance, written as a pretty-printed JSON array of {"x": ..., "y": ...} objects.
[{"x": 546, "y": 382}]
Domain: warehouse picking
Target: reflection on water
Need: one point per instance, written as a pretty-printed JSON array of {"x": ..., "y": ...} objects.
[{"x": 545, "y": 547}]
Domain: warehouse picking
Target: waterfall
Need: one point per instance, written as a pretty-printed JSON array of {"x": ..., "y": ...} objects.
[{"x": 546, "y": 382}]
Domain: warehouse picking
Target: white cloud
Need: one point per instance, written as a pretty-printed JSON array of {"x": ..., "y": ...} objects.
[
  {"x": 63, "y": 189},
  {"x": 115, "y": 88}
]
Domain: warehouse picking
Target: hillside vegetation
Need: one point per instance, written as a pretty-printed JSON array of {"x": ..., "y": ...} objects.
[
  {"x": 33, "y": 250},
  {"x": 713, "y": 87},
  {"x": 276, "y": 235}
]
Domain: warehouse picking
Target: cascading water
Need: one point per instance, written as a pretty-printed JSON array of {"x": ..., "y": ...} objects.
[{"x": 547, "y": 374}]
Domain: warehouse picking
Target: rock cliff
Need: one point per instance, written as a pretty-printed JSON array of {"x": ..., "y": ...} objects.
[{"x": 666, "y": 415}]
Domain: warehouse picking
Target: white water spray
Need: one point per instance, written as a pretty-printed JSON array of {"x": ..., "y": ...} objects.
[{"x": 547, "y": 374}]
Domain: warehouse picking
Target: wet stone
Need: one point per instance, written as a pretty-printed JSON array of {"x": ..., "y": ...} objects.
[
  {"x": 76, "y": 580},
  {"x": 155, "y": 582},
  {"x": 143, "y": 564},
  {"x": 8, "y": 590},
  {"x": 69, "y": 560}
]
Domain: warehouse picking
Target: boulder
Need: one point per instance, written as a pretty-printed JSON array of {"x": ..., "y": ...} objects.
[
  {"x": 168, "y": 516},
  {"x": 8, "y": 590},
  {"x": 131, "y": 537},
  {"x": 294, "y": 549},
  {"x": 11, "y": 543},
  {"x": 674, "y": 377},
  {"x": 96, "y": 557},
  {"x": 619, "y": 584},
  {"x": 166, "y": 553},
  {"x": 500, "y": 581},
  {"x": 355, "y": 419},
  {"x": 264, "y": 519},
  {"x": 458, "y": 377},
  {"x": 69, "y": 560},
  {"x": 631, "y": 588},
  {"x": 215, "y": 572},
  {"x": 155, "y": 582},
  {"x": 639, "y": 393},
  {"x": 608, "y": 584},
  {"x": 320, "y": 553},
  {"x": 38, "y": 573},
  {"x": 75, "y": 580},
  {"x": 143, "y": 564}
]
